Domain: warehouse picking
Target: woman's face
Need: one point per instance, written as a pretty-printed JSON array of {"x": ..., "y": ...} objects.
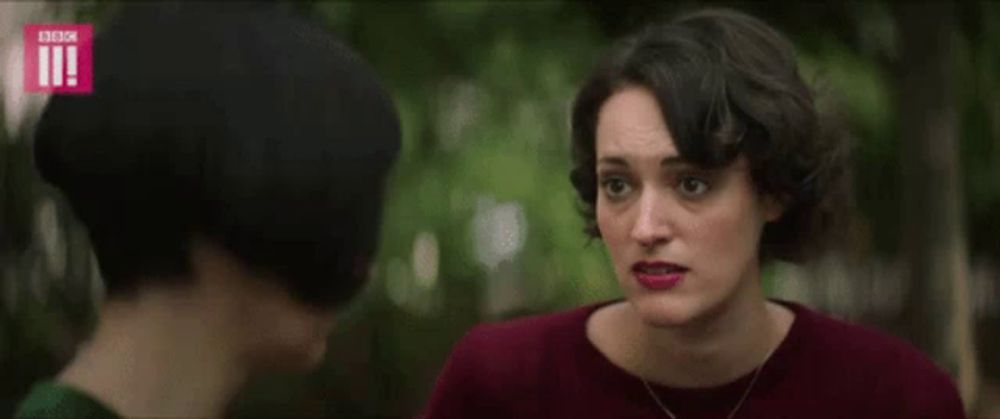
[{"x": 684, "y": 241}]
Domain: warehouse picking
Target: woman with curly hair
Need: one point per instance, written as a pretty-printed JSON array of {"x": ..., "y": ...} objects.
[{"x": 699, "y": 157}]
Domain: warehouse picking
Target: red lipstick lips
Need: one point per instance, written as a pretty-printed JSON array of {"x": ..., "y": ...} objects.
[{"x": 658, "y": 275}]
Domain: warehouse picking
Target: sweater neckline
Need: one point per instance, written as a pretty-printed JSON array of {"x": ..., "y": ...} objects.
[{"x": 723, "y": 396}]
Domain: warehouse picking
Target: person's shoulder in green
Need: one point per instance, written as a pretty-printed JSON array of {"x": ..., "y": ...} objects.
[{"x": 51, "y": 400}]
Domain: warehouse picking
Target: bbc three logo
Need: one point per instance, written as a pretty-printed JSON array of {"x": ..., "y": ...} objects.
[{"x": 59, "y": 59}]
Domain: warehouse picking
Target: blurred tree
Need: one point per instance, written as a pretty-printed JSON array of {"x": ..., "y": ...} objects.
[{"x": 937, "y": 312}]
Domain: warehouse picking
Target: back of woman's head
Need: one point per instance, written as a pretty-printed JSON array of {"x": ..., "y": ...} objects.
[
  {"x": 728, "y": 86},
  {"x": 242, "y": 124}
]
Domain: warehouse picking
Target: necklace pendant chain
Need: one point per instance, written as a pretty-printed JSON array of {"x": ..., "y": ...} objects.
[{"x": 736, "y": 408}]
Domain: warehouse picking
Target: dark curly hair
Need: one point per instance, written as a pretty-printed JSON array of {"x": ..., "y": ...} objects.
[{"x": 729, "y": 86}]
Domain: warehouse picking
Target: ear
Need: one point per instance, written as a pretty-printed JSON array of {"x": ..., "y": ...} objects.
[{"x": 773, "y": 208}]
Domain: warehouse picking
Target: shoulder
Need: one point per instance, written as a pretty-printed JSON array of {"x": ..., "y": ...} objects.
[
  {"x": 521, "y": 343},
  {"x": 52, "y": 400},
  {"x": 495, "y": 368},
  {"x": 881, "y": 363},
  {"x": 841, "y": 340},
  {"x": 527, "y": 332}
]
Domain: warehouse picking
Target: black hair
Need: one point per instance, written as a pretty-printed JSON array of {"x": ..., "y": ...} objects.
[
  {"x": 728, "y": 85},
  {"x": 244, "y": 124}
]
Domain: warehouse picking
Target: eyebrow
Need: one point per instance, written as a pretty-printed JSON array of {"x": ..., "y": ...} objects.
[{"x": 668, "y": 161}]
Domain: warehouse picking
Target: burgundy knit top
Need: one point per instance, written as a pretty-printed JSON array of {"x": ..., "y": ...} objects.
[{"x": 545, "y": 367}]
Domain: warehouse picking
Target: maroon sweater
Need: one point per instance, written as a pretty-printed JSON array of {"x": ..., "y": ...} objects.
[{"x": 545, "y": 367}]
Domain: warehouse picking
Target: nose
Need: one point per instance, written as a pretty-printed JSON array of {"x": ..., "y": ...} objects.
[{"x": 651, "y": 226}]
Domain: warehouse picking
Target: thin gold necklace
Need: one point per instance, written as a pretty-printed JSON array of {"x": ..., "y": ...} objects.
[{"x": 739, "y": 404}]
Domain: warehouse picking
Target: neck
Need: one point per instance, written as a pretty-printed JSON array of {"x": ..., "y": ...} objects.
[
  {"x": 162, "y": 355},
  {"x": 715, "y": 349}
]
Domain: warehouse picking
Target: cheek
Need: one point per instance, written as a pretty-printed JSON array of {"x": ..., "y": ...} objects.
[
  {"x": 300, "y": 329},
  {"x": 286, "y": 336},
  {"x": 613, "y": 228},
  {"x": 729, "y": 233},
  {"x": 296, "y": 344}
]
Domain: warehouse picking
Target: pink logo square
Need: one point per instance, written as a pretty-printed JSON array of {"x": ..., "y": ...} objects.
[{"x": 59, "y": 59}]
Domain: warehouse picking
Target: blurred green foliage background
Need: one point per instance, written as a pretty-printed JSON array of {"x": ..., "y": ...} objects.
[{"x": 481, "y": 221}]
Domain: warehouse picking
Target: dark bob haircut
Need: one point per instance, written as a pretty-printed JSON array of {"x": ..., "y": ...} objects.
[
  {"x": 245, "y": 125},
  {"x": 728, "y": 85}
]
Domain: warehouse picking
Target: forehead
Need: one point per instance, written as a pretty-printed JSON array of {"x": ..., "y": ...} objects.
[{"x": 630, "y": 124}]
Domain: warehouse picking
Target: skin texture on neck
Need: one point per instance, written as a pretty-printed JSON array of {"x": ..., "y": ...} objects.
[
  {"x": 712, "y": 351},
  {"x": 165, "y": 353},
  {"x": 185, "y": 349}
]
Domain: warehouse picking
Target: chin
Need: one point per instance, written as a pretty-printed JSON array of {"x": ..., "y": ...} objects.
[
  {"x": 665, "y": 310},
  {"x": 296, "y": 358},
  {"x": 311, "y": 355},
  {"x": 316, "y": 355}
]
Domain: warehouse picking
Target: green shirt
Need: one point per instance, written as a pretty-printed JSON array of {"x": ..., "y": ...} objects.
[{"x": 50, "y": 400}]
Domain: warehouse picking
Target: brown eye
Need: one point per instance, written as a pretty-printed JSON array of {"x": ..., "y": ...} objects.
[
  {"x": 692, "y": 187},
  {"x": 616, "y": 187}
]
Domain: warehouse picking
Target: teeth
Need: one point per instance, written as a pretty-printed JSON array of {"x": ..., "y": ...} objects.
[{"x": 659, "y": 271}]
